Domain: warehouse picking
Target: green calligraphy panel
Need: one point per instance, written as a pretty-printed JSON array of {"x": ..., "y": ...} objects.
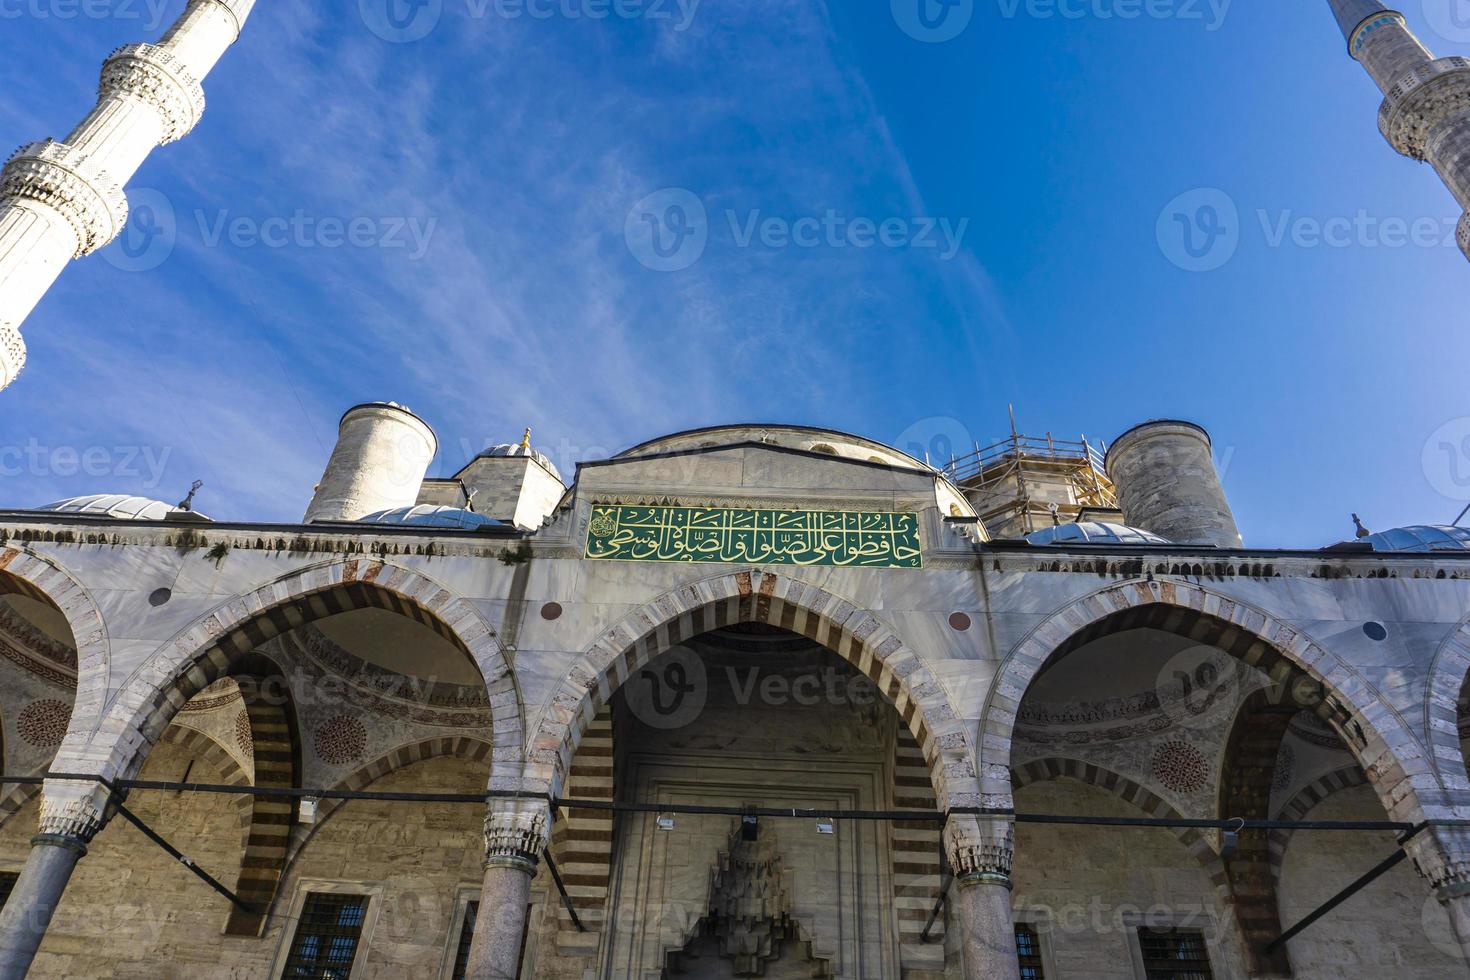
[{"x": 722, "y": 536}]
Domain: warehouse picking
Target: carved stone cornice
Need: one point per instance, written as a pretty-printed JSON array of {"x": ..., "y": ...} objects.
[
  {"x": 515, "y": 836},
  {"x": 12, "y": 354},
  {"x": 1421, "y": 101},
  {"x": 61, "y": 177},
  {"x": 159, "y": 78}
]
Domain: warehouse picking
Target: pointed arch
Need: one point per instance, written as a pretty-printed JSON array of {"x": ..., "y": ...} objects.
[
  {"x": 25, "y": 573},
  {"x": 1449, "y": 677},
  {"x": 1152, "y": 805},
  {"x": 209, "y": 648},
  {"x": 775, "y": 600},
  {"x": 1395, "y": 760},
  {"x": 1306, "y": 800}
]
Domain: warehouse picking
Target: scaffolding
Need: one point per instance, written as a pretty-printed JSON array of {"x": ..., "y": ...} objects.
[{"x": 1024, "y": 483}]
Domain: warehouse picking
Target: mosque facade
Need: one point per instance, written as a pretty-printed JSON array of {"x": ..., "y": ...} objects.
[{"x": 746, "y": 701}]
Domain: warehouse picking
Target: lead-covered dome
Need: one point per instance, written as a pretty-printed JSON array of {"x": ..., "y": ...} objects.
[
  {"x": 121, "y": 506},
  {"x": 523, "y": 451},
  {"x": 1421, "y": 538},
  {"x": 428, "y": 515},
  {"x": 1094, "y": 532}
]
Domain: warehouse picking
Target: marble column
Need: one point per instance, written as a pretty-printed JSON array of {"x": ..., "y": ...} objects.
[
  {"x": 71, "y": 816},
  {"x": 981, "y": 859},
  {"x": 515, "y": 836}
]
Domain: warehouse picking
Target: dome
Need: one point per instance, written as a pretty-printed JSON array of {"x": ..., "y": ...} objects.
[
  {"x": 1094, "y": 532},
  {"x": 1421, "y": 538},
  {"x": 426, "y": 515},
  {"x": 121, "y": 507},
  {"x": 522, "y": 450}
]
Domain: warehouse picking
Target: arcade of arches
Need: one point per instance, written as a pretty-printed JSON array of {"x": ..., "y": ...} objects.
[{"x": 747, "y": 702}]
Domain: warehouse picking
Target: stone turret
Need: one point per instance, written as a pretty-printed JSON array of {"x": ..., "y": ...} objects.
[
  {"x": 1425, "y": 113},
  {"x": 62, "y": 200},
  {"x": 383, "y": 452},
  {"x": 1167, "y": 483}
]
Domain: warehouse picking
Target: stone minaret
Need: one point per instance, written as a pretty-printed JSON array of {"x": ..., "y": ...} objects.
[
  {"x": 63, "y": 200},
  {"x": 1426, "y": 106}
]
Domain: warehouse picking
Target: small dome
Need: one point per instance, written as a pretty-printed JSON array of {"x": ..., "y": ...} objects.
[
  {"x": 1421, "y": 538},
  {"x": 426, "y": 515},
  {"x": 122, "y": 507},
  {"x": 1094, "y": 532},
  {"x": 508, "y": 450}
]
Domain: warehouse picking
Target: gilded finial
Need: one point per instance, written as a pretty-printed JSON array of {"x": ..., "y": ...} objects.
[{"x": 526, "y": 439}]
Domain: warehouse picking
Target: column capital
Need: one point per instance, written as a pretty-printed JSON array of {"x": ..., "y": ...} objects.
[
  {"x": 155, "y": 75},
  {"x": 73, "y": 812},
  {"x": 12, "y": 354},
  {"x": 516, "y": 833},
  {"x": 61, "y": 177},
  {"x": 980, "y": 854}
]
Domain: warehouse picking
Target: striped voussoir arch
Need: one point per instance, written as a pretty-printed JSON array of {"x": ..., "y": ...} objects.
[
  {"x": 212, "y": 647},
  {"x": 1373, "y": 731},
  {"x": 1449, "y": 686},
  {"x": 917, "y": 861},
  {"x": 776, "y": 600},
  {"x": 1247, "y": 773},
  {"x": 271, "y": 818},
  {"x": 207, "y": 750},
  {"x": 1045, "y": 770},
  {"x": 1305, "y": 800},
  {"x": 455, "y": 746},
  {"x": 26, "y": 574},
  {"x": 582, "y": 840}
]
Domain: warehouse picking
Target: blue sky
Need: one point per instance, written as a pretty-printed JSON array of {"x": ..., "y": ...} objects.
[{"x": 901, "y": 236}]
